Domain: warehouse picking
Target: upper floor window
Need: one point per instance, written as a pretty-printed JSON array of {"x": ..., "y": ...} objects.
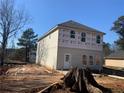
[
  {"x": 83, "y": 37},
  {"x": 91, "y": 60},
  {"x": 72, "y": 34},
  {"x": 98, "y": 38}
]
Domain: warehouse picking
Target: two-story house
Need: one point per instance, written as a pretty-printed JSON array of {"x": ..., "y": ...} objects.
[{"x": 71, "y": 44}]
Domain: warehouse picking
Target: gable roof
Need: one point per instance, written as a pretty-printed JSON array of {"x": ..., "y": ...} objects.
[
  {"x": 71, "y": 24},
  {"x": 119, "y": 54},
  {"x": 75, "y": 24}
]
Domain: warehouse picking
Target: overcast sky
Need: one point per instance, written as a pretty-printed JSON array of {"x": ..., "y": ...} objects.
[{"x": 98, "y": 14}]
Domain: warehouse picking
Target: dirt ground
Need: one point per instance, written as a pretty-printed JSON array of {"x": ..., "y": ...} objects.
[
  {"x": 31, "y": 78},
  {"x": 117, "y": 85},
  {"x": 27, "y": 78}
]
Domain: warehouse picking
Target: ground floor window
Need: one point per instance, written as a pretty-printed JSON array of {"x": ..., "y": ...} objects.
[
  {"x": 84, "y": 60},
  {"x": 91, "y": 60},
  {"x": 97, "y": 60},
  {"x": 67, "y": 57}
]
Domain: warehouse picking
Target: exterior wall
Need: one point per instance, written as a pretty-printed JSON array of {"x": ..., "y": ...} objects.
[
  {"x": 76, "y": 57},
  {"x": 52, "y": 48},
  {"x": 47, "y": 50},
  {"x": 77, "y": 48},
  {"x": 114, "y": 62},
  {"x": 90, "y": 44}
]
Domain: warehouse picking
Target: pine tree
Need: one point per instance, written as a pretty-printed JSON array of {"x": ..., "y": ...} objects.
[
  {"x": 28, "y": 42},
  {"x": 106, "y": 49},
  {"x": 119, "y": 29}
]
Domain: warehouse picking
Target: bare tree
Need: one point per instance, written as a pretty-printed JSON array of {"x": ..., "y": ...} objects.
[{"x": 11, "y": 21}]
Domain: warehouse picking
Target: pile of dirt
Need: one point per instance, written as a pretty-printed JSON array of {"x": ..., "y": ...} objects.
[
  {"x": 27, "y": 69},
  {"x": 78, "y": 80}
]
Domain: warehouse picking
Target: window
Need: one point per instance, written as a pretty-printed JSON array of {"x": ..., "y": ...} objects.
[
  {"x": 72, "y": 34},
  {"x": 98, "y": 39},
  {"x": 97, "y": 59},
  {"x": 83, "y": 37},
  {"x": 84, "y": 60},
  {"x": 67, "y": 57},
  {"x": 83, "y": 34},
  {"x": 91, "y": 60}
]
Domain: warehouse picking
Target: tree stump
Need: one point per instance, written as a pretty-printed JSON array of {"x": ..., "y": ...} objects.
[
  {"x": 78, "y": 80},
  {"x": 82, "y": 81}
]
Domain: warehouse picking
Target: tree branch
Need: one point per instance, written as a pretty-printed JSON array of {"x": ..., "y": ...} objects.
[{"x": 11, "y": 21}]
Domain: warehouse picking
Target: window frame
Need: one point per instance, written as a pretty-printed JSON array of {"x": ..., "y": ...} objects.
[
  {"x": 66, "y": 55},
  {"x": 91, "y": 60},
  {"x": 98, "y": 39},
  {"x": 83, "y": 37},
  {"x": 97, "y": 60},
  {"x": 84, "y": 60},
  {"x": 72, "y": 34}
]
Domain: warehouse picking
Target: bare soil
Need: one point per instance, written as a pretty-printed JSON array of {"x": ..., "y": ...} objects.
[
  {"x": 117, "y": 85},
  {"x": 27, "y": 78},
  {"x": 32, "y": 78}
]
